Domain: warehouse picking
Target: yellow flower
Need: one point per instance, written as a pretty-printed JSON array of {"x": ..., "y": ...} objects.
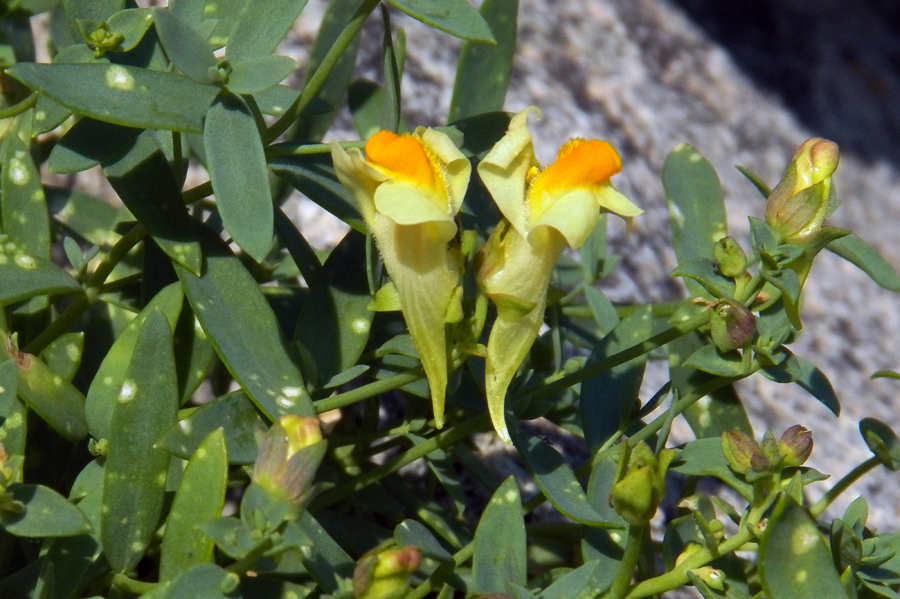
[
  {"x": 545, "y": 210},
  {"x": 409, "y": 189}
]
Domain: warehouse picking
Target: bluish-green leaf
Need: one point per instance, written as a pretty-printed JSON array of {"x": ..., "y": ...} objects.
[
  {"x": 585, "y": 582},
  {"x": 132, "y": 23},
  {"x": 327, "y": 559},
  {"x": 882, "y": 441},
  {"x": 89, "y": 10},
  {"x": 456, "y": 17},
  {"x": 200, "y": 497},
  {"x": 86, "y": 216},
  {"x": 256, "y": 75},
  {"x": 313, "y": 176},
  {"x": 411, "y": 533},
  {"x": 244, "y": 331},
  {"x": 237, "y": 168},
  {"x": 484, "y": 70},
  {"x": 856, "y": 251},
  {"x": 86, "y": 144},
  {"x": 14, "y": 428},
  {"x": 63, "y": 354},
  {"x": 104, "y": 392},
  {"x": 696, "y": 206},
  {"x": 794, "y": 559},
  {"x": 392, "y": 69},
  {"x": 135, "y": 470},
  {"x": 200, "y": 581},
  {"x": 123, "y": 95},
  {"x": 234, "y": 412},
  {"x": 709, "y": 359},
  {"x": 556, "y": 480},
  {"x": 499, "y": 559},
  {"x": 23, "y": 207},
  {"x": 334, "y": 320},
  {"x": 704, "y": 457},
  {"x": 703, "y": 272},
  {"x": 45, "y": 513},
  {"x": 608, "y": 399},
  {"x": 185, "y": 47},
  {"x": 142, "y": 178},
  {"x": 261, "y": 27},
  {"x": 23, "y": 276},
  {"x": 605, "y": 546}
]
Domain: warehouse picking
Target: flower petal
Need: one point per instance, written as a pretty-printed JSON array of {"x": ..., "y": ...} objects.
[
  {"x": 574, "y": 214},
  {"x": 360, "y": 179},
  {"x": 403, "y": 203}
]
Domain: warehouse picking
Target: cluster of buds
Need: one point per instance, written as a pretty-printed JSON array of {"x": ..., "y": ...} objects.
[
  {"x": 748, "y": 458},
  {"x": 383, "y": 572},
  {"x": 289, "y": 455},
  {"x": 641, "y": 483}
]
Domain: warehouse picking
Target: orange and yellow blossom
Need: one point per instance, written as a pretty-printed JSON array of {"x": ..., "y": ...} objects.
[
  {"x": 408, "y": 189},
  {"x": 544, "y": 211}
]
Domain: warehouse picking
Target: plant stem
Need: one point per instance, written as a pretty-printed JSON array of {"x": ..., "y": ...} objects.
[
  {"x": 433, "y": 582},
  {"x": 130, "y": 585},
  {"x": 294, "y": 149},
  {"x": 841, "y": 486},
  {"x": 92, "y": 288},
  {"x": 677, "y": 577},
  {"x": 317, "y": 81},
  {"x": 439, "y": 441},
  {"x": 371, "y": 390},
  {"x": 19, "y": 108},
  {"x": 629, "y": 561}
]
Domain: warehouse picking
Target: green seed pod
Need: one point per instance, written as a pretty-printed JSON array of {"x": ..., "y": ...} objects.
[
  {"x": 641, "y": 484},
  {"x": 731, "y": 258}
]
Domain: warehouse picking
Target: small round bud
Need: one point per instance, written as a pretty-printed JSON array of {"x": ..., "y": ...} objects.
[
  {"x": 795, "y": 445},
  {"x": 641, "y": 484},
  {"x": 739, "y": 449},
  {"x": 732, "y": 325},
  {"x": 731, "y": 258}
]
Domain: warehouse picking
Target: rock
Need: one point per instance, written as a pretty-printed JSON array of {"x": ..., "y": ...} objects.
[{"x": 744, "y": 86}]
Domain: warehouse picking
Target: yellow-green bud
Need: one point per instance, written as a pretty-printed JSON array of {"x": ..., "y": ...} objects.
[
  {"x": 795, "y": 445},
  {"x": 730, "y": 257},
  {"x": 289, "y": 454},
  {"x": 732, "y": 325},
  {"x": 801, "y": 202},
  {"x": 715, "y": 579},
  {"x": 384, "y": 573},
  {"x": 641, "y": 484},
  {"x": 742, "y": 452}
]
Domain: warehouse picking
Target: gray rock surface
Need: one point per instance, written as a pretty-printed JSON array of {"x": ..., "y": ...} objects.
[{"x": 650, "y": 74}]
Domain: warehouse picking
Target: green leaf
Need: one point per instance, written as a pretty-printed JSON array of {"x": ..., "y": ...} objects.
[
  {"x": 704, "y": 457},
  {"x": 455, "y": 17},
  {"x": 233, "y": 412},
  {"x": 859, "y": 253},
  {"x": 54, "y": 399},
  {"x": 608, "y": 400},
  {"x": 45, "y": 513},
  {"x": 721, "y": 410},
  {"x": 313, "y": 176},
  {"x": 392, "y": 59},
  {"x": 597, "y": 544},
  {"x": 275, "y": 100},
  {"x": 24, "y": 276},
  {"x": 585, "y": 582},
  {"x": 132, "y": 23},
  {"x": 334, "y": 319},
  {"x": 135, "y": 470},
  {"x": 882, "y": 441},
  {"x": 23, "y": 207},
  {"x": 261, "y": 27},
  {"x": 709, "y": 359},
  {"x": 256, "y": 75},
  {"x": 13, "y": 412},
  {"x": 86, "y": 144},
  {"x": 123, "y": 95},
  {"x": 186, "y": 48},
  {"x": 89, "y": 10},
  {"x": 696, "y": 206},
  {"x": 63, "y": 355},
  {"x": 327, "y": 560},
  {"x": 228, "y": 304},
  {"x": 200, "y": 498},
  {"x": 786, "y": 281},
  {"x": 103, "y": 395},
  {"x": 556, "y": 479},
  {"x": 794, "y": 559},
  {"x": 703, "y": 271},
  {"x": 410, "y": 533},
  {"x": 237, "y": 168},
  {"x": 483, "y": 70},
  {"x": 499, "y": 559},
  {"x": 817, "y": 384},
  {"x": 200, "y": 581},
  {"x": 86, "y": 216}
]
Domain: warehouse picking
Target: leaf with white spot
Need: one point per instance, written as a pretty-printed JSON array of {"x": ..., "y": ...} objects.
[
  {"x": 108, "y": 382},
  {"x": 45, "y": 513},
  {"x": 794, "y": 559},
  {"x": 135, "y": 470},
  {"x": 123, "y": 95},
  {"x": 23, "y": 277},
  {"x": 499, "y": 559},
  {"x": 23, "y": 207},
  {"x": 200, "y": 498}
]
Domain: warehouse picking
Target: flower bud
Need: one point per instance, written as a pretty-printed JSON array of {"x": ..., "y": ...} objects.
[
  {"x": 739, "y": 449},
  {"x": 801, "y": 202},
  {"x": 732, "y": 325},
  {"x": 289, "y": 454},
  {"x": 731, "y": 258},
  {"x": 795, "y": 445},
  {"x": 641, "y": 484},
  {"x": 714, "y": 579},
  {"x": 384, "y": 573}
]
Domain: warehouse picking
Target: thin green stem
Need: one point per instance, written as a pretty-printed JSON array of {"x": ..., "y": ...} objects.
[
  {"x": 371, "y": 390},
  {"x": 92, "y": 289},
  {"x": 290, "y": 149},
  {"x": 130, "y": 585},
  {"x": 439, "y": 441},
  {"x": 19, "y": 108},
  {"x": 842, "y": 485},
  {"x": 433, "y": 582},
  {"x": 317, "y": 81},
  {"x": 629, "y": 561},
  {"x": 677, "y": 577},
  {"x": 195, "y": 194}
]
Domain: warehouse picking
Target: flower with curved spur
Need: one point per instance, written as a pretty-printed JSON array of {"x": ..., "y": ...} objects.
[
  {"x": 409, "y": 189},
  {"x": 544, "y": 211}
]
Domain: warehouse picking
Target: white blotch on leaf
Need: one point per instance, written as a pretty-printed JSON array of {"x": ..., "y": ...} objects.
[{"x": 119, "y": 78}]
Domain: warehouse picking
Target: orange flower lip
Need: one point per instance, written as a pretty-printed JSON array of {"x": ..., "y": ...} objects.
[
  {"x": 580, "y": 163},
  {"x": 405, "y": 158}
]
